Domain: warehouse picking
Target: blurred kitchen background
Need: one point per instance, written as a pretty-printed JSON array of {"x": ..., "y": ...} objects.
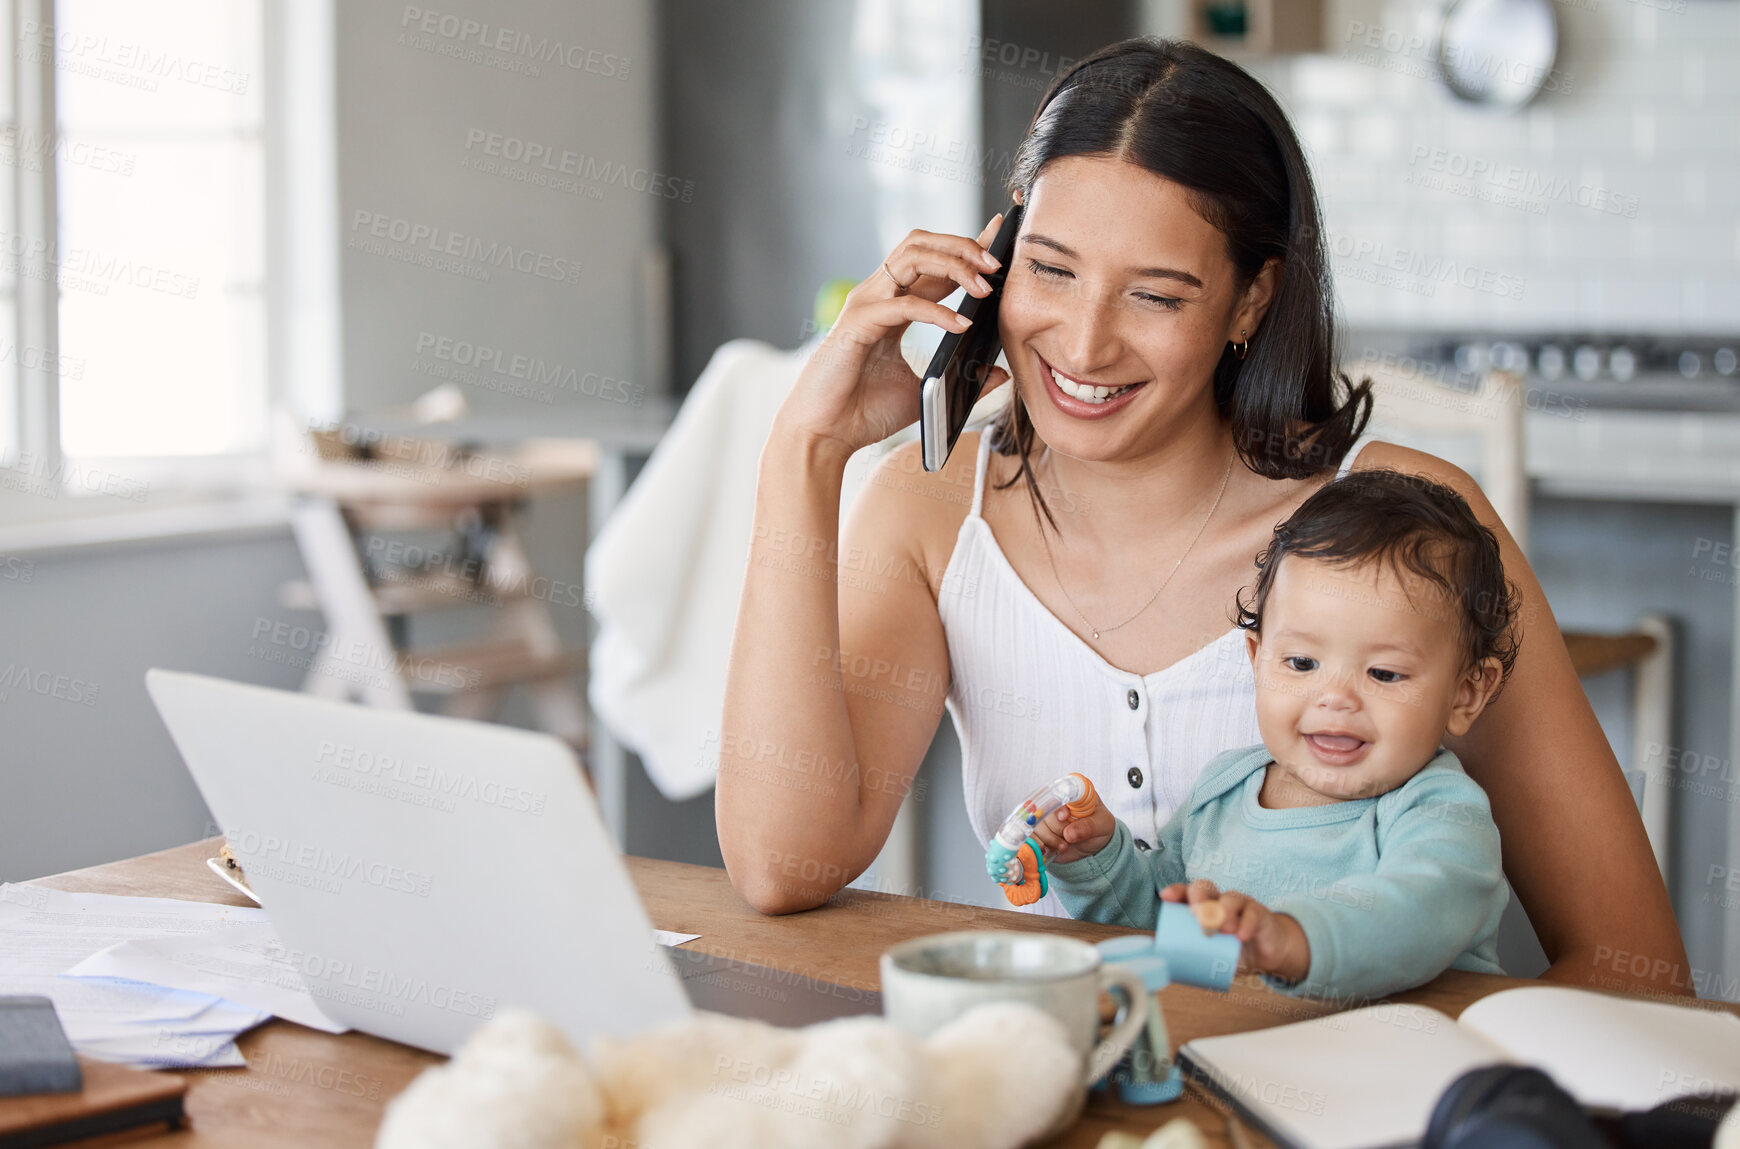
[{"x": 330, "y": 334}]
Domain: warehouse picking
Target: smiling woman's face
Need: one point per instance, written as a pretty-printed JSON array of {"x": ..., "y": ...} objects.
[{"x": 1116, "y": 281}]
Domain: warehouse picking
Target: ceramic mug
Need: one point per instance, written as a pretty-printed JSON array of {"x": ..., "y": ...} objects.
[{"x": 928, "y": 982}]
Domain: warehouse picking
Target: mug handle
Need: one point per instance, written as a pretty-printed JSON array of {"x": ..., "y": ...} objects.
[{"x": 1106, "y": 1054}]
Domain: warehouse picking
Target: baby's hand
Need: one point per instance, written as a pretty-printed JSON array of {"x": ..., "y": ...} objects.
[
  {"x": 1271, "y": 943},
  {"x": 1067, "y": 838}
]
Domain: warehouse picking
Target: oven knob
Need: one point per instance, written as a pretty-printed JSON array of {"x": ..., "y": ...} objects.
[
  {"x": 1550, "y": 361},
  {"x": 1471, "y": 358},
  {"x": 1622, "y": 364},
  {"x": 1509, "y": 357}
]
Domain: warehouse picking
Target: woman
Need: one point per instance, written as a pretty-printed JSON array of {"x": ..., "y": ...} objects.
[{"x": 1067, "y": 581}]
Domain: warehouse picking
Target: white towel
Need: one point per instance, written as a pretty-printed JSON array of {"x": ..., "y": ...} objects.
[{"x": 666, "y": 571}]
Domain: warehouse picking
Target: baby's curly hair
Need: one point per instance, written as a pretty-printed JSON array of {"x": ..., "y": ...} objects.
[{"x": 1417, "y": 526}]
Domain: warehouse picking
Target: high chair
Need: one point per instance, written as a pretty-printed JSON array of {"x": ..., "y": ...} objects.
[{"x": 358, "y": 491}]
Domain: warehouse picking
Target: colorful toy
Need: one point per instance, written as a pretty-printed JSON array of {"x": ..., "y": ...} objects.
[
  {"x": 1147, "y": 1074},
  {"x": 1205, "y": 960},
  {"x": 1178, "y": 952},
  {"x": 1014, "y": 858},
  {"x": 1184, "y": 949}
]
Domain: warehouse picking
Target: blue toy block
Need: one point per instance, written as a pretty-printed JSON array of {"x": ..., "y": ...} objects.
[{"x": 1206, "y": 962}]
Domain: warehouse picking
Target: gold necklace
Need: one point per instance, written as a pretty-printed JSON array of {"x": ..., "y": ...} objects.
[{"x": 1108, "y": 629}]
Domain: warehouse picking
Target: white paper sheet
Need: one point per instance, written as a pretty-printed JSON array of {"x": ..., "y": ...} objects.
[
  {"x": 45, "y": 932},
  {"x": 242, "y": 964},
  {"x": 1613, "y": 1052},
  {"x": 216, "y": 1051},
  {"x": 160, "y": 982},
  {"x": 1357, "y": 1080},
  {"x": 245, "y": 965}
]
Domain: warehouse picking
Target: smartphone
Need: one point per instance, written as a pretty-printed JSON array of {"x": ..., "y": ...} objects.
[{"x": 963, "y": 358}]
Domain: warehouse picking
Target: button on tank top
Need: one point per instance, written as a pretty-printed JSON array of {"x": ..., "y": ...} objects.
[{"x": 1031, "y": 701}]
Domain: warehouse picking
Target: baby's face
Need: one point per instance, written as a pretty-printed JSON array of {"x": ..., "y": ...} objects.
[{"x": 1357, "y": 679}]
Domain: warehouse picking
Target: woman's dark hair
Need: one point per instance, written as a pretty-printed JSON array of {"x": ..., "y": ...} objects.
[
  {"x": 1418, "y": 527},
  {"x": 1198, "y": 120}
]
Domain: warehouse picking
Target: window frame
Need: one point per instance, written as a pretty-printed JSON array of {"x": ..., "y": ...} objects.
[{"x": 300, "y": 288}]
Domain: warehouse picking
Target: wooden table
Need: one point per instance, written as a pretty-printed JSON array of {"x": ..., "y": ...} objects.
[{"x": 306, "y": 1088}]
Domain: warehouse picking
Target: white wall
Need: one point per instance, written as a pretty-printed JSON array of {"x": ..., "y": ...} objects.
[{"x": 1641, "y": 120}]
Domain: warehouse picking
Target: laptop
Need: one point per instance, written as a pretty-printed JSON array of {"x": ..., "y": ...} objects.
[{"x": 424, "y": 873}]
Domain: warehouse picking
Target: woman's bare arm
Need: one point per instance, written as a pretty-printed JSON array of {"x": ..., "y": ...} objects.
[
  {"x": 831, "y": 702},
  {"x": 835, "y": 688},
  {"x": 1575, "y": 849}
]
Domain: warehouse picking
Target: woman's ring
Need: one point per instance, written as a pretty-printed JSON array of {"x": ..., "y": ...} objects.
[{"x": 899, "y": 287}]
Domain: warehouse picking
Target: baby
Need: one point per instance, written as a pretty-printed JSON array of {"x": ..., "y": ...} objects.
[{"x": 1365, "y": 861}]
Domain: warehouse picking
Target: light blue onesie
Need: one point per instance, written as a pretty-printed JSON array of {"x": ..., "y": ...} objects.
[{"x": 1390, "y": 890}]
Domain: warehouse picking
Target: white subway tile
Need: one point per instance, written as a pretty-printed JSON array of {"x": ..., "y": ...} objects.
[
  {"x": 1643, "y": 133},
  {"x": 1687, "y": 244},
  {"x": 1320, "y": 132},
  {"x": 1694, "y": 303},
  {"x": 1653, "y": 132},
  {"x": 1692, "y": 78},
  {"x": 1541, "y": 120},
  {"x": 1331, "y": 80},
  {"x": 1374, "y": 134},
  {"x": 1645, "y": 29},
  {"x": 1722, "y": 301},
  {"x": 1481, "y": 130},
  {"x": 1696, "y": 132}
]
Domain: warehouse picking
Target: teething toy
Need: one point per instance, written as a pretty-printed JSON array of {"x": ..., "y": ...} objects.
[{"x": 1014, "y": 858}]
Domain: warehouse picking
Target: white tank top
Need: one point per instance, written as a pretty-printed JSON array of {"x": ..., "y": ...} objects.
[{"x": 1031, "y": 701}]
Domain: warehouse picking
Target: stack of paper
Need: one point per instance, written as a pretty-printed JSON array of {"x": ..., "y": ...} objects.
[
  {"x": 155, "y": 982},
  {"x": 244, "y": 963},
  {"x": 44, "y": 933}
]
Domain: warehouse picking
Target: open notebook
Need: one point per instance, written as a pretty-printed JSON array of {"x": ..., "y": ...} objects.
[{"x": 1369, "y": 1078}]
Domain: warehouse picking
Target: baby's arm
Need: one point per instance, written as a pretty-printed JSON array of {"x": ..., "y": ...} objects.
[{"x": 1113, "y": 883}]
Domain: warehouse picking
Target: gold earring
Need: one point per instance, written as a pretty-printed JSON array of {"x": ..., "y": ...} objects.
[{"x": 1242, "y": 348}]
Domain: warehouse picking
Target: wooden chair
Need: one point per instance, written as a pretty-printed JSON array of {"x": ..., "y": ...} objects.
[
  {"x": 354, "y": 493},
  {"x": 1481, "y": 430}
]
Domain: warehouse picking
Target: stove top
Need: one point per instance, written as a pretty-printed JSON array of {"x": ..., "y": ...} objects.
[{"x": 1648, "y": 372}]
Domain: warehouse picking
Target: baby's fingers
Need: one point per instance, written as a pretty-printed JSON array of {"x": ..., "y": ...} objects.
[
  {"x": 1202, "y": 890},
  {"x": 1174, "y": 892},
  {"x": 1244, "y": 915},
  {"x": 1049, "y": 838}
]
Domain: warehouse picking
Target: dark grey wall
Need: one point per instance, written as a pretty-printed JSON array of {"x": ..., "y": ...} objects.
[
  {"x": 1025, "y": 44},
  {"x": 88, "y": 782},
  {"x": 1603, "y": 564},
  {"x": 417, "y": 111},
  {"x": 757, "y": 110}
]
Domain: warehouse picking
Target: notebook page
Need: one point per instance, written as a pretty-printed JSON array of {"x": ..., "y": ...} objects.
[
  {"x": 1612, "y": 1052},
  {"x": 1363, "y": 1079}
]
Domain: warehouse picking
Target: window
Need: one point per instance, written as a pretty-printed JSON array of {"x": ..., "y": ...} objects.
[
  {"x": 151, "y": 176},
  {"x": 162, "y": 243}
]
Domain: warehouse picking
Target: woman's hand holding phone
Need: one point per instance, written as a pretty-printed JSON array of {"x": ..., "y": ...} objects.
[{"x": 857, "y": 388}]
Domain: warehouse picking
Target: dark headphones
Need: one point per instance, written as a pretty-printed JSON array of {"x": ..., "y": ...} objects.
[{"x": 1512, "y": 1107}]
